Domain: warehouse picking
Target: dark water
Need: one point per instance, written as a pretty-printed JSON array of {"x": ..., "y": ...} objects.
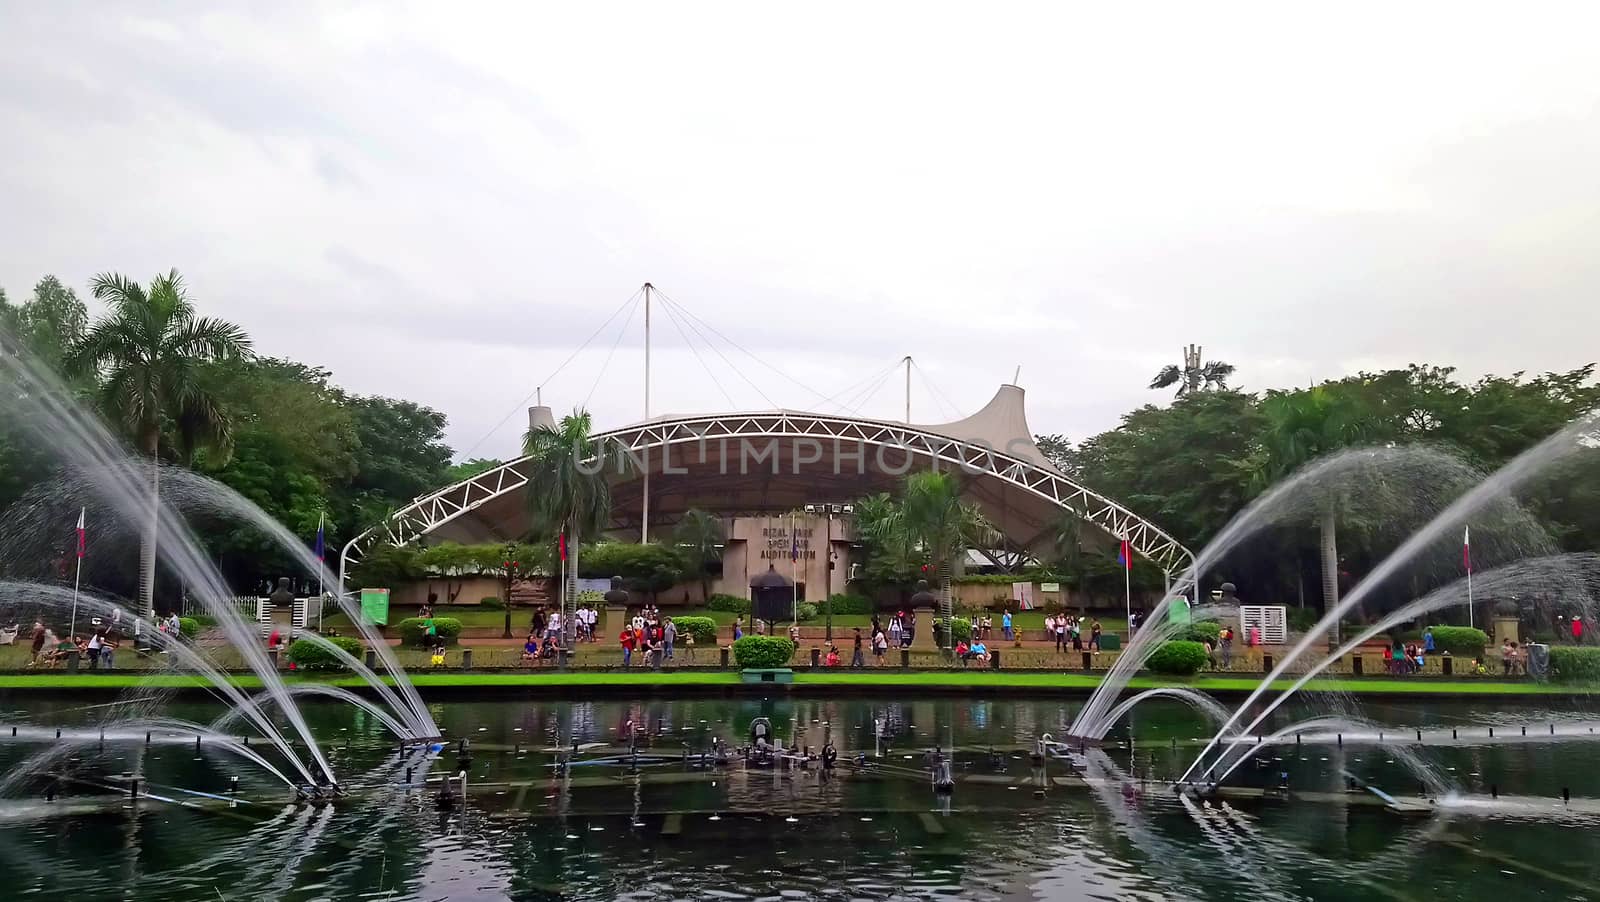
[{"x": 677, "y": 833}]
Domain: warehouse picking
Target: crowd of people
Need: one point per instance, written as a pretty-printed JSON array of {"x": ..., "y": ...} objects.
[
  {"x": 653, "y": 636},
  {"x": 1068, "y": 631}
]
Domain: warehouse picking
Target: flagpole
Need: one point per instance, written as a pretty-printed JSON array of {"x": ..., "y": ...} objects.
[
  {"x": 794, "y": 582},
  {"x": 1127, "y": 586},
  {"x": 77, "y": 578},
  {"x": 1466, "y": 558}
]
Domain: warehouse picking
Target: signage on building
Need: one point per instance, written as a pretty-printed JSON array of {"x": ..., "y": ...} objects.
[{"x": 779, "y": 543}]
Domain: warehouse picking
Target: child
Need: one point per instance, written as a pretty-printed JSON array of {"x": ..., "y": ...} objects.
[{"x": 438, "y": 657}]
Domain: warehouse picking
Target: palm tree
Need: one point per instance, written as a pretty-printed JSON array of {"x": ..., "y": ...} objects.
[
  {"x": 1302, "y": 426},
  {"x": 929, "y": 521},
  {"x": 1193, "y": 375},
  {"x": 147, "y": 354},
  {"x": 701, "y": 536},
  {"x": 568, "y": 492}
]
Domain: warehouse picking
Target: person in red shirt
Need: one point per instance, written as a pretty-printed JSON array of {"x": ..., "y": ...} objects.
[
  {"x": 1577, "y": 630},
  {"x": 628, "y": 642}
]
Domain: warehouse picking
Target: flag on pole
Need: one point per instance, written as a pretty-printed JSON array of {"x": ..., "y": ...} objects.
[
  {"x": 1466, "y": 548},
  {"x": 561, "y": 543},
  {"x": 794, "y": 544},
  {"x": 83, "y": 542},
  {"x": 1125, "y": 555},
  {"x": 318, "y": 547}
]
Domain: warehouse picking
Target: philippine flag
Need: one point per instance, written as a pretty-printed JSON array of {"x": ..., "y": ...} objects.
[
  {"x": 83, "y": 542},
  {"x": 1125, "y": 555}
]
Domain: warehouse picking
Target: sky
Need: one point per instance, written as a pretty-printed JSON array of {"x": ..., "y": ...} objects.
[{"x": 444, "y": 202}]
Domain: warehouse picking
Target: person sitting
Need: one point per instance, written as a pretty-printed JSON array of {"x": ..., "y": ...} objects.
[
  {"x": 833, "y": 656},
  {"x": 530, "y": 650},
  {"x": 437, "y": 658},
  {"x": 963, "y": 651},
  {"x": 980, "y": 652}
]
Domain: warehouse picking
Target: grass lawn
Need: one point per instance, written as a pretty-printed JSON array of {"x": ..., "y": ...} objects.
[{"x": 871, "y": 678}]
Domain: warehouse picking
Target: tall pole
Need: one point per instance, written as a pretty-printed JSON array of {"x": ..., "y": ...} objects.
[
  {"x": 794, "y": 572},
  {"x": 827, "y": 550},
  {"x": 1127, "y": 584},
  {"x": 1469, "y": 599},
  {"x": 908, "y": 388},
  {"x": 321, "y": 521},
  {"x": 644, "y": 529}
]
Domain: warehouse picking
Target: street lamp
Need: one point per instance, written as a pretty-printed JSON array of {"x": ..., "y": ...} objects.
[
  {"x": 832, "y": 510},
  {"x": 510, "y": 565}
]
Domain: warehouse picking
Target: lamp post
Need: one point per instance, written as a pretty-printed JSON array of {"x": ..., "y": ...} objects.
[
  {"x": 510, "y": 565},
  {"x": 832, "y": 510}
]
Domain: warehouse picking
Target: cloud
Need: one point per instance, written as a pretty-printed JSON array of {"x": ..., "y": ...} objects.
[{"x": 443, "y": 203}]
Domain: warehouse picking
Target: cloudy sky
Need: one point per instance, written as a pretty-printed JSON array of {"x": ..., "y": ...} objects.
[{"x": 442, "y": 201}]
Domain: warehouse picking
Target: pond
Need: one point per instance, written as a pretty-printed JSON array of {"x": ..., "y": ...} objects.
[{"x": 664, "y": 828}]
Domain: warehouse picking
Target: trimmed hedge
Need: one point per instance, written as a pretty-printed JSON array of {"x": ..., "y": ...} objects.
[
  {"x": 1201, "y": 631},
  {"x": 961, "y": 629},
  {"x": 762, "y": 652},
  {"x": 414, "y": 630},
  {"x": 189, "y": 627},
  {"x": 307, "y": 655},
  {"x": 491, "y": 603},
  {"x": 1572, "y": 663},
  {"x": 703, "y": 629},
  {"x": 1459, "y": 640},
  {"x": 730, "y": 603},
  {"x": 851, "y": 604},
  {"x": 1178, "y": 658}
]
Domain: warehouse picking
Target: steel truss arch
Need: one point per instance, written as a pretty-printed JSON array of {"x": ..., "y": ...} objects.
[{"x": 429, "y": 512}]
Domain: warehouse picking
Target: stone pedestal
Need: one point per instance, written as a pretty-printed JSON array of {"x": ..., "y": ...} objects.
[{"x": 1504, "y": 628}]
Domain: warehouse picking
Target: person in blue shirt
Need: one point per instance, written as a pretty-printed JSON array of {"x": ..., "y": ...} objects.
[
  {"x": 1005, "y": 623},
  {"x": 979, "y": 650},
  {"x": 1427, "y": 641}
]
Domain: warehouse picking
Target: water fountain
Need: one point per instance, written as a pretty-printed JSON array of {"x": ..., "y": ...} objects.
[{"x": 100, "y": 468}]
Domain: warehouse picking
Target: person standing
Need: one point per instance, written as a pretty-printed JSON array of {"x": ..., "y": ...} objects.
[
  {"x": 1064, "y": 623},
  {"x": 38, "y": 641},
  {"x": 1577, "y": 630},
  {"x": 94, "y": 646},
  {"x": 1225, "y": 639},
  {"x": 553, "y": 628},
  {"x": 1005, "y": 623},
  {"x": 896, "y": 632},
  {"x": 540, "y": 621},
  {"x": 910, "y": 634},
  {"x": 738, "y": 628},
  {"x": 856, "y": 660},
  {"x": 625, "y": 638},
  {"x": 1094, "y": 635},
  {"x": 880, "y": 645},
  {"x": 670, "y": 631}
]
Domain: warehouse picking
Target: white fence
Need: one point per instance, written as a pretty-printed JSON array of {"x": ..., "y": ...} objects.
[{"x": 1271, "y": 620}]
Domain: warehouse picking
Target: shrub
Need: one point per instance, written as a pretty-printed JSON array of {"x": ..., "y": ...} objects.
[
  {"x": 491, "y": 603},
  {"x": 1201, "y": 631},
  {"x": 851, "y": 604},
  {"x": 762, "y": 652},
  {"x": 805, "y": 610},
  {"x": 414, "y": 630},
  {"x": 1573, "y": 663},
  {"x": 961, "y": 629},
  {"x": 305, "y": 654},
  {"x": 1459, "y": 640},
  {"x": 1178, "y": 658},
  {"x": 189, "y": 627},
  {"x": 730, "y": 603},
  {"x": 1303, "y": 619},
  {"x": 703, "y": 629}
]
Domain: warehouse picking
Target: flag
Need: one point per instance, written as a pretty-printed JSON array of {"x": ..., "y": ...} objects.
[
  {"x": 1466, "y": 548},
  {"x": 318, "y": 546},
  {"x": 83, "y": 543},
  {"x": 561, "y": 543},
  {"x": 1125, "y": 555},
  {"x": 794, "y": 544}
]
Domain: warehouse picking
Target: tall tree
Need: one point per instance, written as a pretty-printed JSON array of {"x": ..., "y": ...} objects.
[
  {"x": 146, "y": 354},
  {"x": 568, "y": 491},
  {"x": 1193, "y": 375},
  {"x": 929, "y": 521},
  {"x": 701, "y": 535},
  {"x": 1305, "y": 425}
]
